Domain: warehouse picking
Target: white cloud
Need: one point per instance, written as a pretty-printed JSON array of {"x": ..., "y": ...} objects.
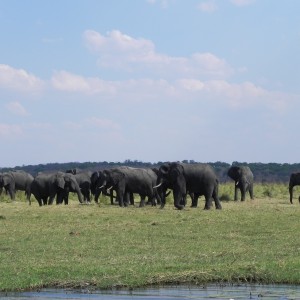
[
  {"x": 211, "y": 65},
  {"x": 163, "y": 3},
  {"x": 242, "y": 2},
  {"x": 17, "y": 108},
  {"x": 231, "y": 95},
  {"x": 208, "y": 6},
  {"x": 119, "y": 51},
  {"x": 19, "y": 79},
  {"x": 10, "y": 131},
  {"x": 69, "y": 82},
  {"x": 191, "y": 84},
  {"x": 116, "y": 46},
  {"x": 103, "y": 123},
  {"x": 236, "y": 96}
]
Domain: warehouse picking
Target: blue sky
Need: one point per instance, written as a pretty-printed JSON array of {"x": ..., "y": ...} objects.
[{"x": 149, "y": 80}]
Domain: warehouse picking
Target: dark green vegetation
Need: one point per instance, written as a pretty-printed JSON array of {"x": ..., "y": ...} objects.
[
  {"x": 107, "y": 246},
  {"x": 270, "y": 172}
]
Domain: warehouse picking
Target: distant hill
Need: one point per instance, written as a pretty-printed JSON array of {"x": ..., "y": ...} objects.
[{"x": 263, "y": 173}]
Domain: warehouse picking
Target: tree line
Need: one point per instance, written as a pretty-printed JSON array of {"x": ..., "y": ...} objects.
[{"x": 263, "y": 172}]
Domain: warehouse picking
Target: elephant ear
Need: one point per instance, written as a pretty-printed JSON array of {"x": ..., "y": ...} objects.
[
  {"x": 176, "y": 171},
  {"x": 73, "y": 183},
  {"x": 164, "y": 169},
  {"x": 60, "y": 180},
  {"x": 234, "y": 172},
  {"x": 7, "y": 179},
  {"x": 94, "y": 178},
  {"x": 117, "y": 176}
]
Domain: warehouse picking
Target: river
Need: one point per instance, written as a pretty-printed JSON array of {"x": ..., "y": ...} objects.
[{"x": 212, "y": 292}]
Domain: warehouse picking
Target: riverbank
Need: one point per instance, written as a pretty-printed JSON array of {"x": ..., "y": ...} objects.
[{"x": 106, "y": 246}]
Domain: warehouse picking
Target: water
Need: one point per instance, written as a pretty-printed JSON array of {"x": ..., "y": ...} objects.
[{"x": 261, "y": 292}]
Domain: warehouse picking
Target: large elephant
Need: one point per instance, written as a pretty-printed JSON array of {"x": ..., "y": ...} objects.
[
  {"x": 98, "y": 180},
  {"x": 83, "y": 179},
  {"x": 243, "y": 181},
  {"x": 199, "y": 179},
  {"x": 126, "y": 181},
  {"x": 294, "y": 180},
  {"x": 45, "y": 187},
  {"x": 16, "y": 180}
]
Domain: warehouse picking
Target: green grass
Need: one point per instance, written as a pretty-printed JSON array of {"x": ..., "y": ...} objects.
[{"x": 107, "y": 246}]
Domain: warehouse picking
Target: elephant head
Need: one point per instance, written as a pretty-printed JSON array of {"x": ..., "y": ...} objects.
[
  {"x": 98, "y": 183},
  {"x": 113, "y": 178},
  {"x": 8, "y": 182},
  {"x": 6, "y": 179}
]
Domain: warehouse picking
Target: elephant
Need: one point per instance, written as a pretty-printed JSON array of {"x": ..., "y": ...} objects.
[
  {"x": 127, "y": 180},
  {"x": 163, "y": 185},
  {"x": 243, "y": 178},
  {"x": 83, "y": 179},
  {"x": 199, "y": 179},
  {"x": 46, "y": 186},
  {"x": 294, "y": 180},
  {"x": 16, "y": 180},
  {"x": 98, "y": 179}
]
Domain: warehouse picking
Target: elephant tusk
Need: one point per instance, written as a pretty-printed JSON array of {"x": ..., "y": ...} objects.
[
  {"x": 237, "y": 183},
  {"x": 157, "y": 186},
  {"x": 109, "y": 188},
  {"x": 100, "y": 187}
]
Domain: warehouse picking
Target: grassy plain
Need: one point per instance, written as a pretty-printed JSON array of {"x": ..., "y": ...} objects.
[{"x": 104, "y": 246}]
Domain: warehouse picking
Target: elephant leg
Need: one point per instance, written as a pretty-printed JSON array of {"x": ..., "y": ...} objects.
[
  {"x": 142, "y": 202},
  {"x": 243, "y": 193},
  {"x": 88, "y": 196},
  {"x": 97, "y": 194},
  {"x": 210, "y": 192},
  {"x": 162, "y": 201},
  {"x": 51, "y": 199},
  {"x": 112, "y": 197},
  {"x": 131, "y": 199},
  {"x": 39, "y": 200},
  {"x": 183, "y": 200},
  {"x": 251, "y": 191},
  {"x": 28, "y": 195},
  {"x": 235, "y": 193},
  {"x": 216, "y": 199},
  {"x": 208, "y": 202},
  {"x": 120, "y": 195},
  {"x": 65, "y": 199},
  {"x": 126, "y": 199},
  {"x": 194, "y": 198},
  {"x": 291, "y": 194},
  {"x": 45, "y": 201}
]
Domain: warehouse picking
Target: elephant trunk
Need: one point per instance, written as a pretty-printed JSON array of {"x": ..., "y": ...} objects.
[
  {"x": 78, "y": 192},
  {"x": 177, "y": 199}
]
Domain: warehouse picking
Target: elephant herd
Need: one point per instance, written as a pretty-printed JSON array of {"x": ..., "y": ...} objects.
[{"x": 152, "y": 183}]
